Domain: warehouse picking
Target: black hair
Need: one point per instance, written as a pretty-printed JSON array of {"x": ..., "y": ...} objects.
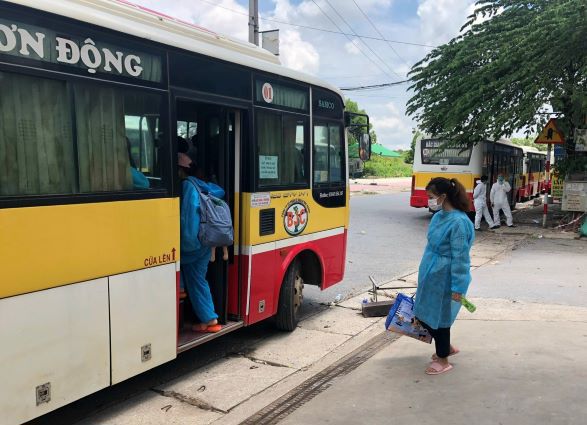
[
  {"x": 182, "y": 145},
  {"x": 484, "y": 178},
  {"x": 454, "y": 191}
]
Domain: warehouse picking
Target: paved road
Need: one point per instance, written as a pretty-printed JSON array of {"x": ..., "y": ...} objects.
[{"x": 386, "y": 237}]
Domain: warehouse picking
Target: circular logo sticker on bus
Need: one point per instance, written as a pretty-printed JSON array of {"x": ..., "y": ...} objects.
[
  {"x": 267, "y": 91},
  {"x": 295, "y": 217}
]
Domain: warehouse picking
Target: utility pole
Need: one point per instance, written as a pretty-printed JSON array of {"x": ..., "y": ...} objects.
[{"x": 254, "y": 22}]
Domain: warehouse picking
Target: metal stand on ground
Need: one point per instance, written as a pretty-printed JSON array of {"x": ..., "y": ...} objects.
[{"x": 377, "y": 308}]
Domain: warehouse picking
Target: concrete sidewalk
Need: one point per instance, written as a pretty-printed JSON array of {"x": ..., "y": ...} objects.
[{"x": 522, "y": 357}]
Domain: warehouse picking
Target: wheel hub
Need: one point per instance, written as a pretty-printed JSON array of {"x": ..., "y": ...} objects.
[{"x": 298, "y": 292}]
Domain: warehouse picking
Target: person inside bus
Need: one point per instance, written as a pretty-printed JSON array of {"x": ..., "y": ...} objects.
[
  {"x": 194, "y": 256},
  {"x": 500, "y": 202},
  {"x": 444, "y": 273},
  {"x": 480, "y": 203},
  {"x": 139, "y": 181}
]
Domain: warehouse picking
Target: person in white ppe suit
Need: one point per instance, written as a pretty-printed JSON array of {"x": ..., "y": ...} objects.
[
  {"x": 480, "y": 203},
  {"x": 499, "y": 200}
]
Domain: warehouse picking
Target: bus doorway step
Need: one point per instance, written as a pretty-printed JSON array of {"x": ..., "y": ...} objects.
[{"x": 190, "y": 339}]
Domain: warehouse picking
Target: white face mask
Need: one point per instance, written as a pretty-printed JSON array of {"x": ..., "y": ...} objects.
[{"x": 434, "y": 205}]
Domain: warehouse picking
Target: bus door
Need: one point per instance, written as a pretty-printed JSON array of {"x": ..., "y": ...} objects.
[{"x": 212, "y": 136}]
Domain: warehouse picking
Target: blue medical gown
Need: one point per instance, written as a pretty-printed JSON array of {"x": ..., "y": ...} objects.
[
  {"x": 139, "y": 181},
  {"x": 194, "y": 256},
  {"x": 445, "y": 268}
]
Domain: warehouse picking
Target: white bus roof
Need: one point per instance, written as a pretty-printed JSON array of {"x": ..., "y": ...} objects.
[
  {"x": 132, "y": 19},
  {"x": 532, "y": 149}
]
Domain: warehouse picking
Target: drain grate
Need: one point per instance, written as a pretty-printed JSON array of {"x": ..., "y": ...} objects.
[{"x": 297, "y": 397}]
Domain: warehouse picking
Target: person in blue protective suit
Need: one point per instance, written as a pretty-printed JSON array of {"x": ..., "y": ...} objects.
[
  {"x": 444, "y": 273},
  {"x": 194, "y": 256}
]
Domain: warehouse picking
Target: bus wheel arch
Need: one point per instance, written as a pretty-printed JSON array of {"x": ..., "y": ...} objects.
[
  {"x": 311, "y": 268},
  {"x": 304, "y": 268}
]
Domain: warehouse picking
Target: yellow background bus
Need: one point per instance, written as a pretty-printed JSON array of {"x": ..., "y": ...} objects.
[{"x": 465, "y": 163}]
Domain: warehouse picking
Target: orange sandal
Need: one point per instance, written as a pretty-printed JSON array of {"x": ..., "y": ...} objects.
[{"x": 200, "y": 327}]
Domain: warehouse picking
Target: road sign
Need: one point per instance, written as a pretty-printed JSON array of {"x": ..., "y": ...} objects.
[{"x": 550, "y": 134}]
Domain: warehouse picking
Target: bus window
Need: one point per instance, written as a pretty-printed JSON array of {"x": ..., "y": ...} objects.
[
  {"x": 187, "y": 129},
  {"x": 328, "y": 154},
  {"x": 433, "y": 152},
  {"x": 117, "y": 138},
  {"x": 36, "y": 143},
  {"x": 281, "y": 149}
]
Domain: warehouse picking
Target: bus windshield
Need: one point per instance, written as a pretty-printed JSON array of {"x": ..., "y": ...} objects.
[{"x": 433, "y": 152}]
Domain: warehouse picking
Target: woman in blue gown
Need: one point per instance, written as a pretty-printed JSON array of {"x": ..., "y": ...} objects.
[
  {"x": 444, "y": 273},
  {"x": 194, "y": 256}
]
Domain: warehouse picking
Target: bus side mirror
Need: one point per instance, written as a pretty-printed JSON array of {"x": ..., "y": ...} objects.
[{"x": 365, "y": 147}]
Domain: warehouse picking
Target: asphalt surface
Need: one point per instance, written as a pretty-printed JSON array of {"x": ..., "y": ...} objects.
[{"x": 386, "y": 238}]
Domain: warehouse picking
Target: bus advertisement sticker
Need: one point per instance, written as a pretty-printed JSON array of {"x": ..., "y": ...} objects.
[{"x": 295, "y": 217}]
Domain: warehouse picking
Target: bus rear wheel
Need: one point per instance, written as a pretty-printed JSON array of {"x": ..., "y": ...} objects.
[{"x": 290, "y": 298}]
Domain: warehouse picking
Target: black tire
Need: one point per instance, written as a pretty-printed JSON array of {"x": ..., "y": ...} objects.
[{"x": 290, "y": 299}]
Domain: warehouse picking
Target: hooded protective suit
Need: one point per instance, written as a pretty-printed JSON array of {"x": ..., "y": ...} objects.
[
  {"x": 194, "y": 256},
  {"x": 480, "y": 203},
  {"x": 445, "y": 268},
  {"x": 499, "y": 201}
]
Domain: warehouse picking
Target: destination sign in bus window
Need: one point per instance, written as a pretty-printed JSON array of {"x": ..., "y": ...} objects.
[{"x": 434, "y": 152}]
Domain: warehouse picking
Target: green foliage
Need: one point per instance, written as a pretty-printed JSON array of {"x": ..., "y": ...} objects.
[
  {"x": 355, "y": 132},
  {"x": 512, "y": 58},
  {"x": 575, "y": 167},
  {"x": 409, "y": 157},
  {"x": 529, "y": 141},
  {"x": 380, "y": 166}
]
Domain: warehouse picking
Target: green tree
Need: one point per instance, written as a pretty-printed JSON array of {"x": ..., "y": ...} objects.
[
  {"x": 511, "y": 59},
  {"x": 355, "y": 132},
  {"x": 409, "y": 156},
  {"x": 528, "y": 141}
]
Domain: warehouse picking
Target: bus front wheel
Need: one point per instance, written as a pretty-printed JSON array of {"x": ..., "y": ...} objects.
[{"x": 290, "y": 298}]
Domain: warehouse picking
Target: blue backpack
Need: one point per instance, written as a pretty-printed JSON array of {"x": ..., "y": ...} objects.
[{"x": 215, "y": 221}]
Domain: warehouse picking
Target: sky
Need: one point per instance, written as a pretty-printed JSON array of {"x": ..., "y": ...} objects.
[{"x": 344, "y": 61}]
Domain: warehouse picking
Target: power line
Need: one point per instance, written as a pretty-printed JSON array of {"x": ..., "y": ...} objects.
[
  {"x": 350, "y": 39},
  {"x": 340, "y": 32},
  {"x": 379, "y": 32},
  {"x": 375, "y": 86},
  {"x": 362, "y": 41}
]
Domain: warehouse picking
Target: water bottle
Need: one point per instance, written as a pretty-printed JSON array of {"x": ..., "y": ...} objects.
[{"x": 468, "y": 305}]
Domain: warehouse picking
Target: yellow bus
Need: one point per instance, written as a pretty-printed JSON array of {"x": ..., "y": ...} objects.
[
  {"x": 533, "y": 174},
  {"x": 467, "y": 164},
  {"x": 94, "y": 97}
]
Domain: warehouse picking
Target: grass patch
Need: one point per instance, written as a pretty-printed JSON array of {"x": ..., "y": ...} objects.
[{"x": 379, "y": 166}]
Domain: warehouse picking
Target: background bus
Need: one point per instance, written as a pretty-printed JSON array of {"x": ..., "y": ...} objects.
[
  {"x": 533, "y": 174},
  {"x": 95, "y": 94},
  {"x": 466, "y": 164}
]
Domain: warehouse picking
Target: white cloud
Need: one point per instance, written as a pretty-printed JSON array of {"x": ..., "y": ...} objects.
[
  {"x": 215, "y": 19},
  {"x": 392, "y": 128},
  {"x": 298, "y": 54},
  {"x": 441, "y": 20},
  {"x": 351, "y": 47}
]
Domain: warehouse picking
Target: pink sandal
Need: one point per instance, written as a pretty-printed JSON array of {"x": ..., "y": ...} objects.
[{"x": 437, "y": 368}]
